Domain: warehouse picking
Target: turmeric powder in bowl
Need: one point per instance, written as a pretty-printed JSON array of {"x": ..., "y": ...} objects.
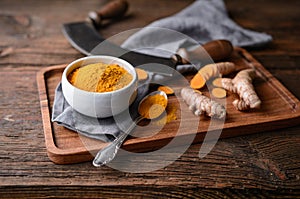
[
  {"x": 84, "y": 77},
  {"x": 100, "y": 77}
]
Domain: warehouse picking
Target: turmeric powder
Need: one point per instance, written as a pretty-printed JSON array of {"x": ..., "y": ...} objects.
[
  {"x": 153, "y": 106},
  {"x": 169, "y": 117},
  {"x": 100, "y": 77},
  {"x": 113, "y": 78}
]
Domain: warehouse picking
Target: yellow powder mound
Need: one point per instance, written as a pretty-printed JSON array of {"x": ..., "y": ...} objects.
[
  {"x": 153, "y": 106},
  {"x": 100, "y": 77},
  {"x": 171, "y": 115},
  {"x": 113, "y": 78}
]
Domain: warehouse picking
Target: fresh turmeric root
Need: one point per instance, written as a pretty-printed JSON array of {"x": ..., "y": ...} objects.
[
  {"x": 242, "y": 85},
  {"x": 211, "y": 70},
  {"x": 199, "y": 104},
  {"x": 240, "y": 105}
]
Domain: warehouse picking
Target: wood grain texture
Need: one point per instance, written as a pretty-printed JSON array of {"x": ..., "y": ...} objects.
[
  {"x": 135, "y": 192},
  {"x": 264, "y": 165}
]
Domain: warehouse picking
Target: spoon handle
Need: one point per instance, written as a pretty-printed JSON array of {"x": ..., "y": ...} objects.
[{"x": 108, "y": 153}]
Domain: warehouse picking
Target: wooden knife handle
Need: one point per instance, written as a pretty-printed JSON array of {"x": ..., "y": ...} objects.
[
  {"x": 112, "y": 10},
  {"x": 217, "y": 49}
]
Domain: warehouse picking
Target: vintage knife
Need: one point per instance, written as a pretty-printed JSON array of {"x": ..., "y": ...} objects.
[{"x": 85, "y": 37}]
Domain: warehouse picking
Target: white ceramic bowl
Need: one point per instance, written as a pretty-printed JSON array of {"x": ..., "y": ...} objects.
[{"x": 103, "y": 104}]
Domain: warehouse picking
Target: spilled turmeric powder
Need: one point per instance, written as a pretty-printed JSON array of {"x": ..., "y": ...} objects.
[
  {"x": 153, "y": 106},
  {"x": 169, "y": 117},
  {"x": 100, "y": 77}
]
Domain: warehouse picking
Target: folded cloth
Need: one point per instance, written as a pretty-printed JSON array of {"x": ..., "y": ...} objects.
[
  {"x": 105, "y": 129},
  {"x": 202, "y": 21}
]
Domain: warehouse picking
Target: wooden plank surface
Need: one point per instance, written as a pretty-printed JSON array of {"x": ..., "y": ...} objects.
[{"x": 262, "y": 165}]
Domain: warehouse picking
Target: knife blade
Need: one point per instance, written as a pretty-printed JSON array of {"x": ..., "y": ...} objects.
[
  {"x": 88, "y": 41},
  {"x": 85, "y": 37}
]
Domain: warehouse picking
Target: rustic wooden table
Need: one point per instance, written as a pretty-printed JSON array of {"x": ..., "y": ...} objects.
[{"x": 263, "y": 165}]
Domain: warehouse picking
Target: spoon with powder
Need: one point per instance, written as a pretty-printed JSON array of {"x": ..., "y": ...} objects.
[{"x": 150, "y": 107}]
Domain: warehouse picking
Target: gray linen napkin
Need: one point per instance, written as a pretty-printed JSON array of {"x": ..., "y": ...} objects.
[
  {"x": 105, "y": 129},
  {"x": 202, "y": 21}
]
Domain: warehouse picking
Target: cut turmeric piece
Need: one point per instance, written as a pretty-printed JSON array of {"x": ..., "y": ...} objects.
[
  {"x": 168, "y": 90},
  {"x": 217, "y": 82},
  {"x": 208, "y": 71},
  {"x": 198, "y": 81},
  {"x": 142, "y": 74},
  {"x": 218, "y": 92},
  {"x": 211, "y": 70}
]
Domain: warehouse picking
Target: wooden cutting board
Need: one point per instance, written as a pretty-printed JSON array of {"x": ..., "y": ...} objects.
[{"x": 279, "y": 109}]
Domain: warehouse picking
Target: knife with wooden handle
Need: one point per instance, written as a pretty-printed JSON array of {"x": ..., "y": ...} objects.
[{"x": 84, "y": 36}]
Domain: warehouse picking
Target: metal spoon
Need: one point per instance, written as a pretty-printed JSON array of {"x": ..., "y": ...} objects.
[{"x": 108, "y": 153}]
